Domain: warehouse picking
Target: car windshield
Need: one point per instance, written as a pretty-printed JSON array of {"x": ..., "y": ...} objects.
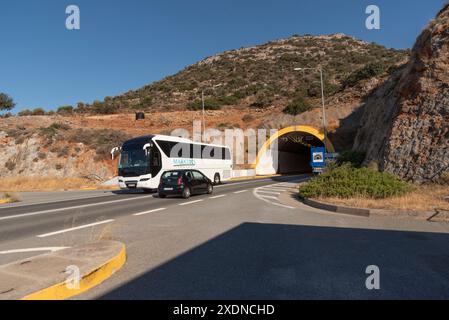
[{"x": 133, "y": 156}]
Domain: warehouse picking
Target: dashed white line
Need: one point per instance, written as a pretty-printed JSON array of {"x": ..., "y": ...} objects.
[
  {"x": 52, "y": 249},
  {"x": 75, "y": 228},
  {"x": 191, "y": 202},
  {"x": 269, "y": 192},
  {"x": 241, "y": 191},
  {"x": 216, "y": 197},
  {"x": 70, "y": 208},
  {"x": 147, "y": 212}
]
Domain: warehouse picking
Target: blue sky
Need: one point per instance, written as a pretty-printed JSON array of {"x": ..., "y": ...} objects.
[{"x": 124, "y": 45}]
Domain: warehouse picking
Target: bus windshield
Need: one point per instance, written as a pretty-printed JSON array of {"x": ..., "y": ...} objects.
[{"x": 133, "y": 156}]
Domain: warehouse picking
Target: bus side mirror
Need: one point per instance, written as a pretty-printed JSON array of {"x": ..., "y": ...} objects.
[
  {"x": 147, "y": 149},
  {"x": 114, "y": 150}
]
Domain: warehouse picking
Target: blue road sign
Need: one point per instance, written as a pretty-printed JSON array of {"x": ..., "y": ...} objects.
[{"x": 318, "y": 157}]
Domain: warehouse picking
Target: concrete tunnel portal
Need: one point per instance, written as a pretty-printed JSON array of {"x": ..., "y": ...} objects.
[{"x": 288, "y": 151}]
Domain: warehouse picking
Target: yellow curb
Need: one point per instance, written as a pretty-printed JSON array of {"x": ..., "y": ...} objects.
[
  {"x": 4, "y": 201},
  {"x": 89, "y": 188},
  {"x": 60, "y": 291}
]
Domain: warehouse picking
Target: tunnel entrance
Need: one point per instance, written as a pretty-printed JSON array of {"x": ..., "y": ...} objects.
[
  {"x": 294, "y": 152},
  {"x": 288, "y": 151}
]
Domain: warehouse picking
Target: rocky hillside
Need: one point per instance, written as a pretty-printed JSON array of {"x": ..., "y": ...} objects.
[
  {"x": 263, "y": 76},
  {"x": 406, "y": 122}
]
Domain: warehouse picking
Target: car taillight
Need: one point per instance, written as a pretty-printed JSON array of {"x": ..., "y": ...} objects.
[{"x": 180, "y": 181}]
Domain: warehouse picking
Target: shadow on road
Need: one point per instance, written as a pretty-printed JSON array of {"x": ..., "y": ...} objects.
[{"x": 268, "y": 261}]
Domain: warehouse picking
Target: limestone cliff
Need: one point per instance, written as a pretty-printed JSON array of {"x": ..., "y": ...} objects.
[{"x": 405, "y": 126}]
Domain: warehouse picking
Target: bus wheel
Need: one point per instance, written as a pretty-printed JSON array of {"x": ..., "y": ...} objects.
[
  {"x": 217, "y": 179},
  {"x": 186, "y": 193}
]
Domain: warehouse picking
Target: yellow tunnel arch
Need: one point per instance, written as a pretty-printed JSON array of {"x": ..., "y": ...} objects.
[{"x": 282, "y": 132}]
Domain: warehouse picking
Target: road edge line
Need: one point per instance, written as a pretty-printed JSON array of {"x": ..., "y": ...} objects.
[{"x": 88, "y": 281}]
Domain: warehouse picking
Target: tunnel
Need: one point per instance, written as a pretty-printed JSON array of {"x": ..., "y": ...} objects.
[{"x": 288, "y": 151}]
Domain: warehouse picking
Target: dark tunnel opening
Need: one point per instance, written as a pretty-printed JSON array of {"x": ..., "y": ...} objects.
[{"x": 295, "y": 152}]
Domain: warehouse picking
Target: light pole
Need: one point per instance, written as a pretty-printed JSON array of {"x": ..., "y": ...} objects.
[
  {"x": 204, "y": 116},
  {"x": 320, "y": 69}
]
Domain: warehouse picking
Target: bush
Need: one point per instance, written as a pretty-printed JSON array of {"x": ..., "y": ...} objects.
[
  {"x": 25, "y": 113},
  {"x": 349, "y": 182},
  {"x": 369, "y": 71},
  {"x": 53, "y": 129},
  {"x": 38, "y": 112},
  {"x": 297, "y": 106},
  {"x": 65, "y": 110},
  {"x": 247, "y": 118},
  {"x": 352, "y": 157},
  {"x": 10, "y": 165},
  {"x": 101, "y": 140},
  {"x": 264, "y": 99}
]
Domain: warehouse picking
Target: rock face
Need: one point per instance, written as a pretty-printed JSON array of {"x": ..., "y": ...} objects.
[{"x": 405, "y": 125}]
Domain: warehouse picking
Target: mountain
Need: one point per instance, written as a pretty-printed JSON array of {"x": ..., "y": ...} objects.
[
  {"x": 263, "y": 76},
  {"x": 405, "y": 125}
]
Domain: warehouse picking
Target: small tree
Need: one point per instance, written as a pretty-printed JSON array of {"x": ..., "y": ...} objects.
[{"x": 6, "y": 102}]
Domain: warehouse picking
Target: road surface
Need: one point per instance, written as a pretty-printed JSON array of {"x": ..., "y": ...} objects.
[{"x": 239, "y": 243}]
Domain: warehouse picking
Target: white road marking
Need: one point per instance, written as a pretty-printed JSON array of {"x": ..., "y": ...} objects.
[
  {"x": 151, "y": 211},
  {"x": 273, "y": 189},
  {"x": 269, "y": 192},
  {"x": 266, "y": 198},
  {"x": 52, "y": 249},
  {"x": 241, "y": 191},
  {"x": 216, "y": 197},
  {"x": 191, "y": 202},
  {"x": 269, "y": 197},
  {"x": 75, "y": 228},
  {"x": 70, "y": 208}
]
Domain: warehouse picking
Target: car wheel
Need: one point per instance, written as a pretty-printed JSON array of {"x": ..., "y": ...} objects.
[
  {"x": 210, "y": 189},
  {"x": 163, "y": 196},
  {"x": 217, "y": 179},
  {"x": 186, "y": 193}
]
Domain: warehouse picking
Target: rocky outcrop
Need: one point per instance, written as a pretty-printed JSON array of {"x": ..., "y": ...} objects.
[{"x": 405, "y": 126}]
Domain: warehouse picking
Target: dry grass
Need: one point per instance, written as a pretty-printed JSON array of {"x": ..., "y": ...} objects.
[
  {"x": 22, "y": 184},
  {"x": 424, "y": 198},
  {"x": 9, "y": 198}
]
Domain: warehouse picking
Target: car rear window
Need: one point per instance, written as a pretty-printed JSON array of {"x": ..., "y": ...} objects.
[{"x": 171, "y": 174}]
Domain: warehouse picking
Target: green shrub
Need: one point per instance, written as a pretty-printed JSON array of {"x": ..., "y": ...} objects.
[
  {"x": 367, "y": 72},
  {"x": 213, "y": 103},
  {"x": 352, "y": 157},
  {"x": 65, "y": 110},
  {"x": 264, "y": 99},
  {"x": 51, "y": 131},
  {"x": 297, "y": 106},
  {"x": 248, "y": 118},
  {"x": 25, "y": 113},
  {"x": 38, "y": 112},
  {"x": 348, "y": 182}
]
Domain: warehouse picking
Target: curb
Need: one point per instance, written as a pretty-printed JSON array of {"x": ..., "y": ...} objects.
[
  {"x": 337, "y": 209},
  {"x": 90, "y": 277},
  {"x": 253, "y": 178},
  {"x": 87, "y": 281}
]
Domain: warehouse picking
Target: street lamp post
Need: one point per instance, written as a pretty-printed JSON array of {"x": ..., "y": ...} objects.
[
  {"x": 204, "y": 116},
  {"x": 320, "y": 69}
]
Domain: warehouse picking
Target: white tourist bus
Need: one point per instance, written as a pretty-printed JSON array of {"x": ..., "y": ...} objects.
[{"x": 143, "y": 160}]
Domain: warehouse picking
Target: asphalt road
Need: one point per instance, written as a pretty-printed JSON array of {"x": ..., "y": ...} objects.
[{"x": 239, "y": 243}]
